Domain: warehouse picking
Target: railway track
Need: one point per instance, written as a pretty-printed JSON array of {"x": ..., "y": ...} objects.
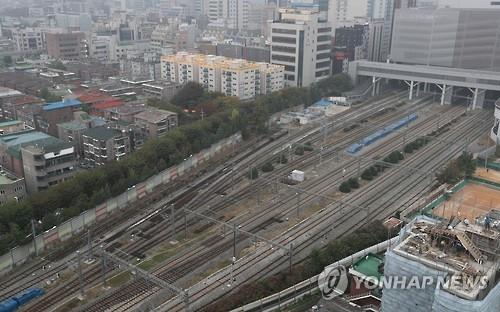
[
  {"x": 337, "y": 217},
  {"x": 301, "y": 134},
  {"x": 184, "y": 269}
]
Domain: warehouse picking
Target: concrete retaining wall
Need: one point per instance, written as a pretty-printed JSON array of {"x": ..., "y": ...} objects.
[{"x": 77, "y": 224}]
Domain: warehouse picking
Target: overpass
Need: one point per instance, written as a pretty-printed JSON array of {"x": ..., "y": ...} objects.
[{"x": 476, "y": 81}]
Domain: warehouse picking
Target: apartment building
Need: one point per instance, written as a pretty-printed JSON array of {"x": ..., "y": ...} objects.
[
  {"x": 66, "y": 46},
  {"x": 301, "y": 42},
  {"x": 47, "y": 162},
  {"x": 233, "y": 77},
  {"x": 153, "y": 123},
  {"x": 102, "y": 145}
]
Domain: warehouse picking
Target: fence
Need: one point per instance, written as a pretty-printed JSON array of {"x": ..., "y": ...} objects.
[{"x": 66, "y": 230}]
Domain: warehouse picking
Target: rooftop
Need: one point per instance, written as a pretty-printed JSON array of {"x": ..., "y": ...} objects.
[
  {"x": 369, "y": 266},
  {"x": 154, "y": 115},
  {"x": 102, "y": 133},
  {"x": 127, "y": 109},
  {"x": 8, "y": 92},
  {"x": 7, "y": 178},
  {"x": 15, "y": 141},
  {"x": 9, "y": 123},
  {"x": 61, "y": 104}
]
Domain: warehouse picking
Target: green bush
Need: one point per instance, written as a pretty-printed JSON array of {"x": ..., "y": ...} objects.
[
  {"x": 345, "y": 187},
  {"x": 308, "y": 148},
  {"x": 299, "y": 151},
  {"x": 367, "y": 175},
  {"x": 268, "y": 167},
  {"x": 353, "y": 183}
]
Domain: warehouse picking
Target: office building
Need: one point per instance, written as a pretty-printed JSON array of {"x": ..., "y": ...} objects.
[
  {"x": 232, "y": 77},
  {"x": 457, "y": 38},
  {"x": 65, "y": 46},
  {"x": 390, "y": 8},
  {"x": 102, "y": 145},
  {"x": 349, "y": 45},
  {"x": 374, "y": 46},
  {"x": 301, "y": 42}
]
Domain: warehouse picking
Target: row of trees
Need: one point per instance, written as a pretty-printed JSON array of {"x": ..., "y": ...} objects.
[
  {"x": 90, "y": 188},
  {"x": 462, "y": 167}
]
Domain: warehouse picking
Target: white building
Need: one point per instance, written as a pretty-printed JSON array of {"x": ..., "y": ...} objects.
[
  {"x": 29, "y": 39},
  {"x": 232, "y": 77},
  {"x": 301, "y": 42}
]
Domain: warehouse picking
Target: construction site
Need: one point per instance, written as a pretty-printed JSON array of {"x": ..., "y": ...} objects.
[{"x": 458, "y": 251}]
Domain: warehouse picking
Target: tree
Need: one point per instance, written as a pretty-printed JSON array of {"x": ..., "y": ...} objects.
[
  {"x": 189, "y": 95},
  {"x": 48, "y": 96},
  {"x": 299, "y": 151},
  {"x": 282, "y": 159},
  {"x": 345, "y": 187},
  {"x": 57, "y": 64},
  {"x": 253, "y": 173},
  {"x": 268, "y": 167}
]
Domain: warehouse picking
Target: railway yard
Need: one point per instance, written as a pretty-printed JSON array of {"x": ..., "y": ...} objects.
[{"x": 196, "y": 240}]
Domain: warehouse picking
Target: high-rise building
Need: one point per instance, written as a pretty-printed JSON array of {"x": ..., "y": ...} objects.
[
  {"x": 233, "y": 77},
  {"x": 390, "y": 7},
  {"x": 346, "y": 12},
  {"x": 458, "y": 38},
  {"x": 375, "y": 33},
  {"x": 301, "y": 42}
]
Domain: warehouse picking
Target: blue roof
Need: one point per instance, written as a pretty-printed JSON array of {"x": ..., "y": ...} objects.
[
  {"x": 323, "y": 102},
  {"x": 61, "y": 104}
]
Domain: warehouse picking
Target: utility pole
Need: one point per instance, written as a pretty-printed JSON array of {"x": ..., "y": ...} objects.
[
  {"x": 234, "y": 240},
  {"x": 34, "y": 236},
  {"x": 89, "y": 242},
  {"x": 172, "y": 220},
  {"x": 103, "y": 263},
  {"x": 290, "y": 259},
  {"x": 80, "y": 275},
  {"x": 298, "y": 203},
  {"x": 185, "y": 226}
]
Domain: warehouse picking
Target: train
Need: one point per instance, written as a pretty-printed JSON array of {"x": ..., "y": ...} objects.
[
  {"x": 356, "y": 147},
  {"x": 14, "y": 302}
]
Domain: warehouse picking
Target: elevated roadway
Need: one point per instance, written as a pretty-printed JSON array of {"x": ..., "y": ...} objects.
[{"x": 476, "y": 81}]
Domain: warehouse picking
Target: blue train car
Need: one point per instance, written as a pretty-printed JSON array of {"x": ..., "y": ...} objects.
[
  {"x": 354, "y": 148},
  {"x": 18, "y": 300},
  {"x": 8, "y": 305},
  {"x": 27, "y": 295}
]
